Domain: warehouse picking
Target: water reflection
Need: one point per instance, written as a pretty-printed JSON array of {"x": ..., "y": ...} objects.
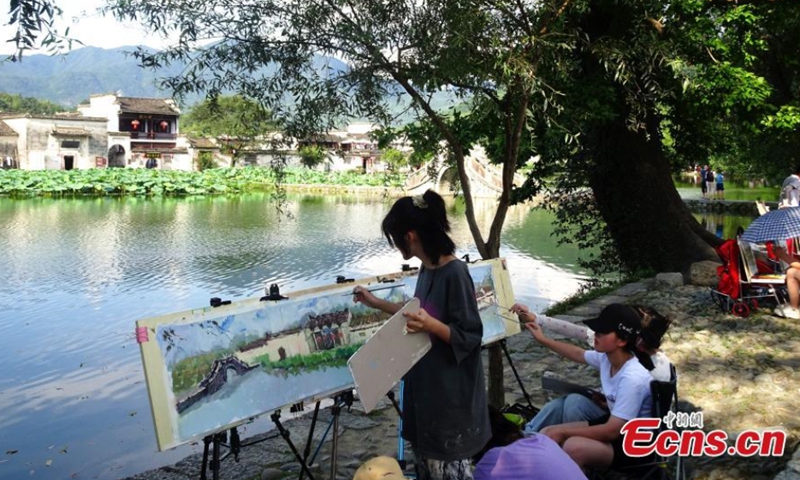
[
  {"x": 733, "y": 191},
  {"x": 75, "y": 275},
  {"x": 723, "y": 225}
]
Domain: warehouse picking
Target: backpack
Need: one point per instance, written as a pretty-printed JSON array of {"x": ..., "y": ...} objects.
[{"x": 709, "y": 175}]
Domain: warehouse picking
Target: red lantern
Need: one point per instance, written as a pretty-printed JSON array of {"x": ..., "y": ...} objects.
[
  {"x": 135, "y": 124},
  {"x": 164, "y": 125}
]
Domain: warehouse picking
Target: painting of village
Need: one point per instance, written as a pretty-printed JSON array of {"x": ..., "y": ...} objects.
[{"x": 215, "y": 368}]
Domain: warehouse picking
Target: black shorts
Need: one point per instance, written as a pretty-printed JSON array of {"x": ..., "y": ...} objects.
[
  {"x": 622, "y": 460},
  {"x": 720, "y": 187}
]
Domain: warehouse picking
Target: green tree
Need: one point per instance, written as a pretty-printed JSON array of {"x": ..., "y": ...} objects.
[
  {"x": 311, "y": 155},
  {"x": 37, "y": 28},
  {"x": 589, "y": 85},
  {"x": 238, "y": 123},
  {"x": 394, "y": 158},
  {"x": 205, "y": 160},
  {"x": 403, "y": 50},
  {"x": 20, "y": 104}
]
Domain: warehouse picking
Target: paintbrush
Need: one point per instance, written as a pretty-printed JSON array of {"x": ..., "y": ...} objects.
[{"x": 376, "y": 289}]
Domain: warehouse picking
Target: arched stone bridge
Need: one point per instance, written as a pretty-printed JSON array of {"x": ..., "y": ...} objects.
[
  {"x": 214, "y": 380},
  {"x": 485, "y": 179}
]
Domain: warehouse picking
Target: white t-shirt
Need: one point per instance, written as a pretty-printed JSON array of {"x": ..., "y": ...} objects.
[
  {"x": 662, "y": 372},
  {"x": 628, "y": 391}
]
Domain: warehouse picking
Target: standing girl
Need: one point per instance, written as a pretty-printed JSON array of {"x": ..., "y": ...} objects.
[{"x": 444, "y": 401}]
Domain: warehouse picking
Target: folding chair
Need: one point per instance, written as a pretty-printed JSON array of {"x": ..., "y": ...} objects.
[
  {"x": 665, "y": 400},
  {"x": 754, "y": 284}
]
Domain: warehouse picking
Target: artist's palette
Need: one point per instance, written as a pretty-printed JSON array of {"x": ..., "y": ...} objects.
[{"x": 388, "y": 355}]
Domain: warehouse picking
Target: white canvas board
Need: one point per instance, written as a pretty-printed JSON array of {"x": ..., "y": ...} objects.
[
  {"x": 386, "y": 356},
  {"x": 209, "y": 369}
]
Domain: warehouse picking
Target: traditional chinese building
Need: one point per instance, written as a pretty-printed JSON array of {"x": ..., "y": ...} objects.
[
  {"x": 142, "y": 132},
  {"x": 55, "y": 142}
]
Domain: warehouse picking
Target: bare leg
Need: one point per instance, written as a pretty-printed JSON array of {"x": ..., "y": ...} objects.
[
  {"x": 587, "y": 452},
  {"x": 793, "y": 286}
]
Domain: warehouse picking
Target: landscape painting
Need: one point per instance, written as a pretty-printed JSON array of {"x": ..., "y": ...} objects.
[{"x": 213, "y": 368}]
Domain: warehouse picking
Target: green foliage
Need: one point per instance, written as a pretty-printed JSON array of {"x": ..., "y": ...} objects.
[
  {"x": 214, "y": 181},
  {"x": 20, "y": 104},
  {"x": 205, "y": 161},
  {"x": 395, "y": 159},
  {"x": 238, "y": 122},
  {"x": 313, "y": 177},
  {"x": 228, "y": 116},
  {"x": 311, "y": 155},
  {"x": 579, "y": 223},
  {"x": 542, "y": 79},
  {"x": 401, "y": 52},
  {"x": 35, "y": 22},
  {"x": 298, "y": 364},
  {"x": 189, "y": 372}
]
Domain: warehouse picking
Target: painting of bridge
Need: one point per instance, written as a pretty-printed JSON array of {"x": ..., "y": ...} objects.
[{"x": 212, "y": 368}]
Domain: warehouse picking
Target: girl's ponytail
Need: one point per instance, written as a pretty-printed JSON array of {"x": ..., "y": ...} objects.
[
  {"x": 426, "y": 214},
  {"x": 437, "y": 211},
  {"x": 644, "y": 359}
]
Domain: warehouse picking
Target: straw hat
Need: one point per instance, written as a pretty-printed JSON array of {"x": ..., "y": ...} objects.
[{"x": 380, "y": 468}]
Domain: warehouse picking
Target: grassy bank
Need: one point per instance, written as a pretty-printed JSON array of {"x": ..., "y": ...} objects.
[{"x": 151, "y": 182}]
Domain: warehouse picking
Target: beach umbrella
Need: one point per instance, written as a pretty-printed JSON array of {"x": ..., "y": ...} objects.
[{"x": 777, "y": 224}]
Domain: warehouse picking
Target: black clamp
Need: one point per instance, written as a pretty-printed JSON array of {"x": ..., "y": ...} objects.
[
  {"x": 216, "y": 302},
  {"x": 344, "y": 399},
  {"x": 274, "y": 294},
  {"x": 236, "y": 444},
  {"x": 407, "y": 268},
  {"x": 343, "y": 279}
]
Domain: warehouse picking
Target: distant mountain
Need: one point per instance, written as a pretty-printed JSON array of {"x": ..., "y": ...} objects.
[{"x": 70, "y": 79}]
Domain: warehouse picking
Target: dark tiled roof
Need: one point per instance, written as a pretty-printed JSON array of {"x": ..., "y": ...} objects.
[
  {"x": 71, "y": 131},
  {"x": 6, "y": 131},
  {"x": 202, "y": 142},
  {"x": 58, "y": 116},
  {"x": 158, "y": 106}
]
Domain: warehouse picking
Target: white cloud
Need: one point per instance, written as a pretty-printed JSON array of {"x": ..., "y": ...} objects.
[{"x": 90, "y": 27}]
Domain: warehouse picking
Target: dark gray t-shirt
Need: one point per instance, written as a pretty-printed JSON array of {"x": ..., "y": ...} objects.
[{"x": 445, "y": 416}]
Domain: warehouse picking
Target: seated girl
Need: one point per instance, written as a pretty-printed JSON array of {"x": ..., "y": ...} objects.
[{"x": 625, "y": 386}]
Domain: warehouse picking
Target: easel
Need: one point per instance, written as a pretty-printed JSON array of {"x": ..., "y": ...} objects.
[
  {"x": 516, "y": 374},
  {"x": 217, "y": 440}
]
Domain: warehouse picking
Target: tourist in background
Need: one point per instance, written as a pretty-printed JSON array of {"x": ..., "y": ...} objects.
[
  {"x": 790, "y": 190},
  {"x": 703, "y": 181},
  {"x": 710, "y": 183},
  {"x": 720, "y": 186}
]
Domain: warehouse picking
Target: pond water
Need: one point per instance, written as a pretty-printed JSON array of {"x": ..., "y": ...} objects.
[
  {"x": 75, "y": 275},
  {"x": 733, "y": 191}
]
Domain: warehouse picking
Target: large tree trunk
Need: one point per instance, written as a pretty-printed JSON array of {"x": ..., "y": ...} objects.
[
  {"x": 635, "y": 193},
  {"x": 630, "y": 176}
]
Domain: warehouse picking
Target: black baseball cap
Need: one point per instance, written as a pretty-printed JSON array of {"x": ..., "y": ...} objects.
[{"x": 619, "y": 318}]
